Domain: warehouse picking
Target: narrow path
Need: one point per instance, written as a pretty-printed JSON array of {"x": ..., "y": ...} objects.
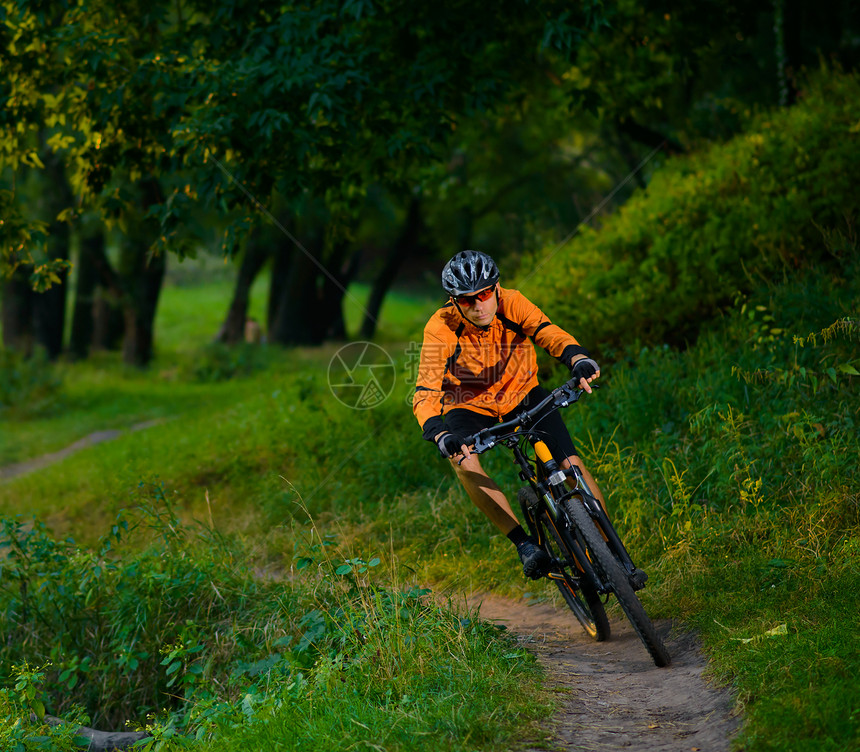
[
  {"x": 37, "y": 463},
  {"x": 612, "y": 695}
]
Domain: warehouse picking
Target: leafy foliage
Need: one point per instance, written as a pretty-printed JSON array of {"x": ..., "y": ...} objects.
[
  {"x": 732, "y": 467},
  {"x": 23, "y": 727},
  {"x": 712, "y": 224},
  {"x": 184, "y": 633},
  {"x": 223, "y": 103}
]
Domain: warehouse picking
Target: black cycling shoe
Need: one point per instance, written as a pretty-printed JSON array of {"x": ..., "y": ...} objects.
[
  {"x": 637, "y": 579},
  {"x": 536, "y": 561}
]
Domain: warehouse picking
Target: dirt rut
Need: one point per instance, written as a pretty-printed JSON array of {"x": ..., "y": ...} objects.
[{"x": 612, "y": 696}]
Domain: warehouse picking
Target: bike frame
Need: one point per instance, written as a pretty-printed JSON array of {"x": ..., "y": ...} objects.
[
  {"x": 559, "y": 497},
  {"x": 549, "y": 480}
]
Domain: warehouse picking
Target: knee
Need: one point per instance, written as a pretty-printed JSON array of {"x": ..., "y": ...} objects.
[{"x": 571, "y": 461}]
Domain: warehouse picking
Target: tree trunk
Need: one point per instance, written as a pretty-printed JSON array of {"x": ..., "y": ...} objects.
[
  {"x": 306, "y": 295},
  {"x": 282, "y": 256},
  {"x": 332, "y": 284},
  {"x": 49, "y": 307},
  {"x": 143, "y": 275},
  {"x": 296, "y": 318},
  {"x": 17, "y": 313},
  {"x": 253, "y": 260},
  {"x": 49, "y": 315},
  {"x": 108, "y": 322},
  {"x": 332, "y": 292},
  {"x": 404, "y": 247},
  {"x": 83, "y": 313}
]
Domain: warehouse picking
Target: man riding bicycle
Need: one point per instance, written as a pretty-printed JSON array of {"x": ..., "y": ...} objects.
[{"x": 478, "y": 366}]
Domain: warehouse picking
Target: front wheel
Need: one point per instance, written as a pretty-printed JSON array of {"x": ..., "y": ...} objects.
[
  {"x": 609, "y": 568},
  {"x": 581, "y": 597}
]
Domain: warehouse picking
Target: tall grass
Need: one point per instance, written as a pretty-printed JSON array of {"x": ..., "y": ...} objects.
[
  {"x": 211, "y": 611},
  {"x": 186, "y": 636},
  {"x": 734, "y": 470},
  {"x": 730, "y": 470}
]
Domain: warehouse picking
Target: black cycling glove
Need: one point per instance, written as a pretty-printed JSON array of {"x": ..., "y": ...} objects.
[
  {"x": 584, "y": 368},
  {"x": 449, "y": 444}
]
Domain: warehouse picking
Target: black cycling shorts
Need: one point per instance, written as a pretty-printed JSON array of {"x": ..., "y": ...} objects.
[{"x": 465, "y": 422}]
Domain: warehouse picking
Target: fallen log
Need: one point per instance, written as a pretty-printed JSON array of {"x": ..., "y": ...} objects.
[{"x": 101, "y": 741}]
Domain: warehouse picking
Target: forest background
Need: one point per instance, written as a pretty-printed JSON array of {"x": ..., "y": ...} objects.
[{"x": 673, "y": 185}]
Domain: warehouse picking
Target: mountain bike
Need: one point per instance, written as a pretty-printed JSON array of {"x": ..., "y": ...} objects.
[{"x": 588, "y": 559}]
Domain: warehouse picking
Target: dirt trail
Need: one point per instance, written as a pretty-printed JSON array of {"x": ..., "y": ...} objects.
[
  {"x": 613, "y": 696},
  {"x": 37, "y": 463}
]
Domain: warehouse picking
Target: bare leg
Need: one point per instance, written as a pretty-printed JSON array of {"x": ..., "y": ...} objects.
[{"x": 485, "y": 494}]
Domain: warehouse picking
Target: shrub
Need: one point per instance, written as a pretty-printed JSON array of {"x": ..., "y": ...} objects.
[
  {"x": 711, "y": 224},
  {"x": 185, "y": 637},
  {"x": 27, "y": 383},
  {"x": 123, "y": 633},
  {"x": 219, "y": 362}
]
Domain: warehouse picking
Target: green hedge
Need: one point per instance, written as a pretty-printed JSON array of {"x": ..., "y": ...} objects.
[{"x": 711, "y": 224}]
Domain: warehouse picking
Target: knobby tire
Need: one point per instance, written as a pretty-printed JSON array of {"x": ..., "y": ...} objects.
[
  {"x": 584, "y": 601},
  {"x": 603, "y": 560}
]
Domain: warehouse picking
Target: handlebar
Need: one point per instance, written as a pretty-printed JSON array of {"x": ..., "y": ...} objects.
[{"x": 560, "y": 397}]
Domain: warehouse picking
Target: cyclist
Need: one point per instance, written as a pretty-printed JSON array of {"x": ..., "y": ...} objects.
[{"x": 478, "y": 366}]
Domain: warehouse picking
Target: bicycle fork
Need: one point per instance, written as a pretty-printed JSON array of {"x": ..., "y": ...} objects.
[
  {"x": 598, "y": 514},
  {"x": 557, "y": 477}
]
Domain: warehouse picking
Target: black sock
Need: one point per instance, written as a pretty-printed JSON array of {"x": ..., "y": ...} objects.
[{"x": 517, "y": 535}]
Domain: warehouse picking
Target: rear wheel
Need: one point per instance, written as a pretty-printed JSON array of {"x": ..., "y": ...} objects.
[
  {"x": 580, "y": 596},
  {"x": 609, "y": 568}
]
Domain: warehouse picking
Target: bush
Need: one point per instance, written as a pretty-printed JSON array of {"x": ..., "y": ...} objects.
[
  {"x": 121, "y": 634},
  {"x": 185, "y": 637},
  {"x": 714, "y": 223},
  {"x": 28, "y": 384},
  {"x": 220, "y": 362}
]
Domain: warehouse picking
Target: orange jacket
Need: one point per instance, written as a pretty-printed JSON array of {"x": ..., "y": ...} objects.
[{"x": 486, "y": 369}]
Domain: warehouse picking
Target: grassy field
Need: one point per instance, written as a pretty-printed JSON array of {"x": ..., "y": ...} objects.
[{"x": 275, "y": 543}]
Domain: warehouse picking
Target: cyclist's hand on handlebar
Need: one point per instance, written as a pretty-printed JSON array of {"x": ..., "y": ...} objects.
[
  {"x": 585, "y": 370},
  {"x": 451, "y": 444}
]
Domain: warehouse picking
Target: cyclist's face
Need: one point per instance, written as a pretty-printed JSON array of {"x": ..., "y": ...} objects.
[{"x": 477, "y": 310}]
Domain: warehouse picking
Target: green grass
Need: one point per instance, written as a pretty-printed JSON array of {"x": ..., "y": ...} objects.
[
  {"x": 101, "y": 394},
  {"x": 734, "y": 472},
  {"x": 97, "y": 396},
  {"x": 334, "y": 655},
  {"x": 252, "y": 457},
  {"x": 730, "y": 470}
]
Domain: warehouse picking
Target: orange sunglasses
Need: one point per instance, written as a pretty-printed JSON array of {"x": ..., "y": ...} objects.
[{"x": 469, "y": 300}]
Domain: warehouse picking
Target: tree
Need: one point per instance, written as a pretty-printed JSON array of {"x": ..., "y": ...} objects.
[
  {"x": 75, "y": 78},
  {"x": 320, "y": 101},
  {"x": 227, "y": 103}
]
